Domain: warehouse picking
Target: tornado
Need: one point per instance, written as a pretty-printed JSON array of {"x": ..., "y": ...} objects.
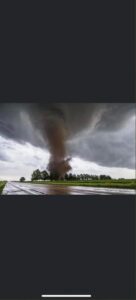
[
  {"x": 54, "y": 126},
  {"x": 56, "y": 134},
  {"x": 58, "y": 123}
]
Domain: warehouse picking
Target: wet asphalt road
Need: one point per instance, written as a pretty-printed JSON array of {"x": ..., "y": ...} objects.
[{"x": 18, "y": 188}]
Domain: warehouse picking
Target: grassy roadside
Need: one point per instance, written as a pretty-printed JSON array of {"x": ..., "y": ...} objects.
[
  {"x": 2, "y": 185},
  {"x": 113, "y": 183}
]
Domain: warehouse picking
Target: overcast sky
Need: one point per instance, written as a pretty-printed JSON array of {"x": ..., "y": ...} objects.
[{"x": 100, "y": 147}]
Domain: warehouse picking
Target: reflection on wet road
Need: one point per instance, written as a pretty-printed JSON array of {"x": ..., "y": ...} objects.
[{"x": 18, "y": 188}]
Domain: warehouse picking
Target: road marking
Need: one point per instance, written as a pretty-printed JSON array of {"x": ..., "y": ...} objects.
[{"x": 19, "y": 188}]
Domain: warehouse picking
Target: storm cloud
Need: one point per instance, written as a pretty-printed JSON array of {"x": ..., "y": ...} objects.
[
  {"x": 101, "y": 133},
  {"x": 114, "y": 148}
]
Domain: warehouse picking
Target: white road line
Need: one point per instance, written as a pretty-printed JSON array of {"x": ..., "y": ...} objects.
[{"x": 19, "y": 188}]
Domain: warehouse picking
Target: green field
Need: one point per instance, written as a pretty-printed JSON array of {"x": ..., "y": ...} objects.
[
  {"x": 113, "y": 183},
  {"x": 2, "y": 184}
]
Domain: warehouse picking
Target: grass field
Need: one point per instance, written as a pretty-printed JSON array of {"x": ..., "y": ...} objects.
[
  {"x": 2, "y": 184},
  {"x": 113, "y": 183}
]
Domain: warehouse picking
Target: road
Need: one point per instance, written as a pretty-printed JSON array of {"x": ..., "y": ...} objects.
[{"x": 18, "y": 188}]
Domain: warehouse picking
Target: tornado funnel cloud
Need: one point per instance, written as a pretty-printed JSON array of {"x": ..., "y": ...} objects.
[{"x": 56, "y": 135}]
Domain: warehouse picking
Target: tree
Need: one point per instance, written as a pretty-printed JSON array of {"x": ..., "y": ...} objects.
[
  {"x": 36, "y": 175},
  {"x": 54, "y": 175},
  {"x": 105, "y": 177},
  {"x": 22, "y": 179},
  {"x": 94, "y": 177},
  {"x": 108, "y": 177},
  {"x": 66, "y": 177},
  {"x": 44, "y": 175},
  {"x": 70, "y": 176}
]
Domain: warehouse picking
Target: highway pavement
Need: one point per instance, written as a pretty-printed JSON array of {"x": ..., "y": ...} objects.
[{"x": 19, "y": 188}]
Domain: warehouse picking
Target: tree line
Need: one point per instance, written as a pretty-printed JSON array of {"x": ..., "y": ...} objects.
[{"x": 44, "y": 175}]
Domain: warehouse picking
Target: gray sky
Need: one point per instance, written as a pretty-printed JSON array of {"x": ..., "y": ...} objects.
[{"x": 100, "y": 139}]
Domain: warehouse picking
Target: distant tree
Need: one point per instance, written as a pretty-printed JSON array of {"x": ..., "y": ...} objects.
[
  {"x": 44, "y": 175},
  {"x": 108, "y": 177},
  {"x": 54, "y": 175},
  {"x": 22, "y": 179},
  {"x": 66, "y": 177},
  {"x": 95, "y": 177},
  {"x": 70, "y": 176},
  {"x": 36, "y": 175},
  {"x": 74, "y": 177},
  {"x": 105, "y": 177},
  {"x": 86, "y": 176},
  {"x": 78, "y": 177}
]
